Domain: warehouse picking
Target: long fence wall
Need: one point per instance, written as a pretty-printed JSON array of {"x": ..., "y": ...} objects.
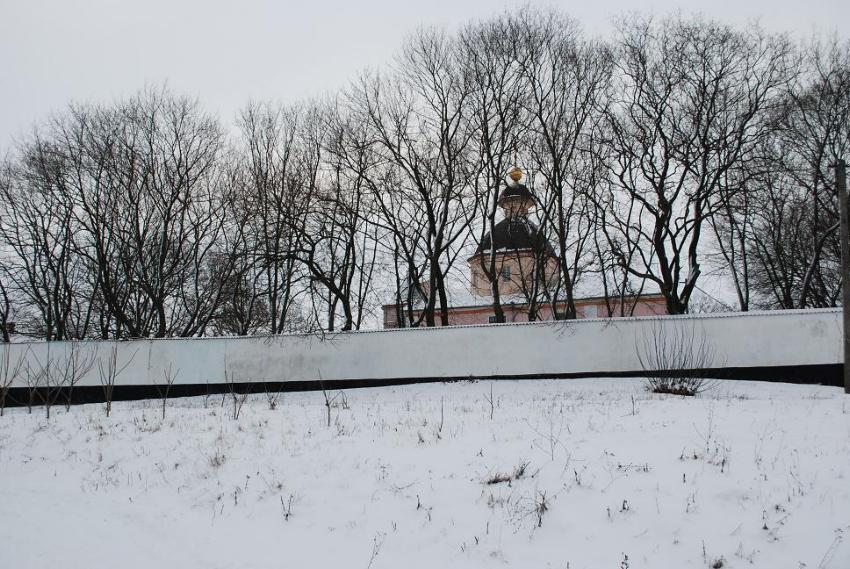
[{"x": 775, "y": 345}]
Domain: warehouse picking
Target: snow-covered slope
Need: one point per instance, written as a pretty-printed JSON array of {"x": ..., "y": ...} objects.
[{"x": 596, "y": 473}]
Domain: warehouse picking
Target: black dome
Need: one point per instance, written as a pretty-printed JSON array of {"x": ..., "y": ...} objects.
[
  {"x": 515, "y": 233},
  {"x": 516, "y": 190}
]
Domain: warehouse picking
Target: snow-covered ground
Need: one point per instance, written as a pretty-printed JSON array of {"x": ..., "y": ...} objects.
[{"x": 596, "y": 473}]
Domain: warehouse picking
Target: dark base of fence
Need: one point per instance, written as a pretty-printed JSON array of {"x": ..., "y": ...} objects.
[
  {"x": 825, "y": 374},
  {"x": 815, "y": 374},
  {"x": 21, "y": 396}
]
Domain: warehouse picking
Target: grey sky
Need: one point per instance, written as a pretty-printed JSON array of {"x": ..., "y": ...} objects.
[{"x": 228, "y": 52}]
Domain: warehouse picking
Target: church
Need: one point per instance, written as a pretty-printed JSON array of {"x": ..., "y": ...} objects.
[{"x": 526, "y": 266}]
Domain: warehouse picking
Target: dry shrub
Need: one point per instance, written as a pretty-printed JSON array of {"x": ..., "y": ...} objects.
[{"x": 675, "y": 357}]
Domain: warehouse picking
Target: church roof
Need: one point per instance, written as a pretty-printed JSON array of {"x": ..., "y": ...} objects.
[
  {"x": 515, "y": 190},
  {"x": 515, "y": 233}
]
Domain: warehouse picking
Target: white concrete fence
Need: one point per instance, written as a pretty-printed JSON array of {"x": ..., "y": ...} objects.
[{"x": 595, "y": 346}]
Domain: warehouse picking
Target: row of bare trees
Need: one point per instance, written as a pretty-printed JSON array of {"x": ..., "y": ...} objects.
[
  {"x": 677, "y": 149},
  {"x": 140, "y": 219}
]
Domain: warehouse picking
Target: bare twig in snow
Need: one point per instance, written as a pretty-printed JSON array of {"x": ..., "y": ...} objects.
[
  {"x": 109, "y": 373},
  {"x": 165, "y": 387}
]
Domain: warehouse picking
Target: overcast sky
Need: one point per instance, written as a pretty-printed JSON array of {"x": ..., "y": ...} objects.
[{"x": 228, "y": 52}]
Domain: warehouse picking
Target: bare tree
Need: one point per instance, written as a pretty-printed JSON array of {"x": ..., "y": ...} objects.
[
  {"x": 330, "y": 402},
  {"x": 109, "y": 372},
  {"x": 168, "y": 378},
  {"x": 276, "y": 205},
  {"x": 6, "y": 314},
  {"x": 33, "y": 379},
  {"x": 792, "y": 239},
  {"x": 47, "y": 379},
  {"x": 153, "y": 202},
  {"x": 9, "y": 372},
  {"x": 272, "y": 396},
  {"x": 341, "y": 238},
  {"x": 490, "y": 400},
  {"x": 732, "y": 225},
  {"x": 497, "y": 121},
  {"x": 5, "y": 301},
  {"x": 37, "y": 224},
  {"x": 238, "y": 398},
  {"x": 568, "y": 80},
  {"x": 620, "y": 290},
  {"x": 402, "y": 238},
  {"x": 691, "y": 102},
  {"x": 79, "y": 361},
  {"x": 416, "y": 119}
]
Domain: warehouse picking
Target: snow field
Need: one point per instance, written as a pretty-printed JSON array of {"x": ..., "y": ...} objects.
[{"x": 573, "y": 473}]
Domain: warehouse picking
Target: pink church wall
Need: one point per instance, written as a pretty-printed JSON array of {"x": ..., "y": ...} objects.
[{"x": 650, "y": 305}]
